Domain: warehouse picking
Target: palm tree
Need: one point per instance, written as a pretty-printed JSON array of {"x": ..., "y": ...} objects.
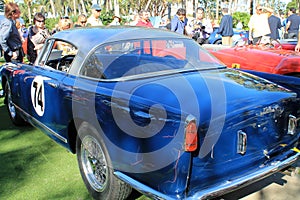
[
  {"x": 83, "y": 7},
  {"x": 28, "y": 3},
  {"x": 53, "y": 8},
  {"x": 47, "y": 6},
  {"x": 117, "y": 8},
  {"x": 74, "y": 7}
]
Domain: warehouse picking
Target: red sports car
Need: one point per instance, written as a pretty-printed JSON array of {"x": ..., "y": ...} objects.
[{"x": 278, "y": 60}]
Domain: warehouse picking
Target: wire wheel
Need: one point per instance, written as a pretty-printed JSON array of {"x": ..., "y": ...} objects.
[{"x": 94, "y": 163}]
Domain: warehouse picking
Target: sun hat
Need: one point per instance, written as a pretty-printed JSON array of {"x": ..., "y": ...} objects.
[{"x": 96, "y": 7}]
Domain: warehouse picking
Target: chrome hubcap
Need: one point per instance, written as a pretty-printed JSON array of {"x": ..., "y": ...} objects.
[{"x": 94, "y": 163}]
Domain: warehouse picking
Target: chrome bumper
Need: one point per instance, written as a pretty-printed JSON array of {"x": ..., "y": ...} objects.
[
  {"x": 229, "y": 186},
  {"x": 216, "y": 190}
]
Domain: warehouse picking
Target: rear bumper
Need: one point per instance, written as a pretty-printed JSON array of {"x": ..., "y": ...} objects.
[
  {"x": 220, "y": 189},
  {"x": 232, "y": 185}
]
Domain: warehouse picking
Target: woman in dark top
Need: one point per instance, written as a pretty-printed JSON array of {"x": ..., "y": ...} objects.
[
  {"x": 37, "y": 36},
  {"x": 9, "y": 35}
]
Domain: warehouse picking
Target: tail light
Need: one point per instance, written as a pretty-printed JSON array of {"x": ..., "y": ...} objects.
[
  {"x": 191, "y": 136},
  {"x": 18, "y": 71}
]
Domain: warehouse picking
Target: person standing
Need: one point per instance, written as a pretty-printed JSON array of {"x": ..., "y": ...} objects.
[
  {"x": 9, "y": 35},
  {"x": 283, "y": 21},
  {"x": 297, "y": 48},
  {"x": 179, "y": 22},
  {"x": 65, "y": 23},
  {"x": 258, "y": 25},
  {"x": 37, "y": 36},
  {"x": 81, "y": 21},
  {"x": 94, "y": 19},
  {"x": 116, "y": 21},
  {"x": 292, "y": 26},
  {"x": 226, "y": 28},
  {"x": 200, "y": 28},
  {"x": 135, "y": 20},
  {"x": 19, "y": 27},
  {"x": 144, "y": 19},
  {"x": 274, "y": 24}
]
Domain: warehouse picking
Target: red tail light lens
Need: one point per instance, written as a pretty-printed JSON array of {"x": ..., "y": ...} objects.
[
  {"x": 191, "y": 136},
  {"x": 19, "y": 71}
]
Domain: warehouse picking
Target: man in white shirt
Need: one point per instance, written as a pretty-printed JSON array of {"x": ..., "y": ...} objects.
[
  {"x": 94, "y": 19},
  {"x": 258, "y": 25}
]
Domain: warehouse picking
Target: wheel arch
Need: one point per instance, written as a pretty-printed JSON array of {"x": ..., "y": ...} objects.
[
  {"x": 218, "y": 41},
  {"x": 3, "y": 82},
  {"x": 72, "y": 133}
]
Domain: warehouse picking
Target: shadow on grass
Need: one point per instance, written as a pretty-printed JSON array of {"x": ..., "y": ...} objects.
[
  {"x": 35, "y": 167},
  {"x": 5, "y": 124}
]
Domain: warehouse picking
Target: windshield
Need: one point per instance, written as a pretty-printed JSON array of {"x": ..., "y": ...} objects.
[{"x": 135, "y": 57}]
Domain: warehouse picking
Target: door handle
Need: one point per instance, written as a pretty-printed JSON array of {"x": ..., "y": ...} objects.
[{"x": 54, "y": 85}]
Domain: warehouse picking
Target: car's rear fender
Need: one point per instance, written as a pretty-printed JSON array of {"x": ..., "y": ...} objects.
[{"x": 290, "y": 82}]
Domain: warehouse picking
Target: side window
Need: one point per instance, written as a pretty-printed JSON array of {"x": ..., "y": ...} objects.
[
  {"x": 108, "y": 60},
  {"x": 92, "y": 68},
  {"x": 58, "y": 55}
]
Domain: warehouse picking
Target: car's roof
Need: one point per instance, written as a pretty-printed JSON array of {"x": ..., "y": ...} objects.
[{"x": 87, "y": 38}]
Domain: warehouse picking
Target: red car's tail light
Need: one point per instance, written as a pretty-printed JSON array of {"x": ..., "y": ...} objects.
[
  {"x": 191, "y": 136},
  {"x": 15, "y": 72}
]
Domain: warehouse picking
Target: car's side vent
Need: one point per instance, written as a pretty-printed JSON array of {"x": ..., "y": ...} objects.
[{"x": 241, "y": 142}]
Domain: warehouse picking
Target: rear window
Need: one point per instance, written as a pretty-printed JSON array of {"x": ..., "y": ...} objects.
[{"x": 136, "y": 57}]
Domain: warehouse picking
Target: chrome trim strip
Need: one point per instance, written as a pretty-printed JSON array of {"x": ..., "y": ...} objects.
[
  {"x": 42, "y": 125},
  {"x": 292, "y": 125},
  {"x": 229, "y": 186}
]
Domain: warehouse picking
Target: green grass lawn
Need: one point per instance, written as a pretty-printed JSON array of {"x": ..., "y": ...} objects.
[
  {"x": 32, "y": 166},
  {"x": 35, "y": 167}
]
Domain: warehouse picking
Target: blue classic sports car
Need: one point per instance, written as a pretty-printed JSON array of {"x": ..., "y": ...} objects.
[
  {"x": 150, "y": 109},
  {"x": 240, "y": 36}
]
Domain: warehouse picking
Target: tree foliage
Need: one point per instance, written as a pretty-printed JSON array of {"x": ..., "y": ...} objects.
[
  {"x": 294, "y": 4},
  {"x": 73, "y": 8},
  {"x": 241, "y": 16}
]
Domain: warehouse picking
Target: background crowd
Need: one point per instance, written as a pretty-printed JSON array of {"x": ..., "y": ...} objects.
[{"x": 264, "y": 25}]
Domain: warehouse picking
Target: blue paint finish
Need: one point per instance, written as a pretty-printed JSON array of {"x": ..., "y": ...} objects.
[{"x": 141, "y": 118}]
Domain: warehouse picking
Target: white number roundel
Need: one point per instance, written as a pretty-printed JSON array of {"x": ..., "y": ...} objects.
[{"x": 38, "y": 95}]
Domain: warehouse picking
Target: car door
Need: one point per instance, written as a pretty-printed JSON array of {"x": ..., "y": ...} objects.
[{"x": 41, "y": 86}]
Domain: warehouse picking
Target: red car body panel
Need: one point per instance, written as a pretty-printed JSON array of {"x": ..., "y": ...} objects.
[{"x": 260, "y": 58}]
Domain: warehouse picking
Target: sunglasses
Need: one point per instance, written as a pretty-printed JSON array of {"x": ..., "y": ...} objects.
[
  {"x": 16, "y": 11},
  {"x": 83, "y": 22},
  {"x": 98, "y": 10},
  {"x": 65, "y": 17},
  {"x": 40, "y": 20}
]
